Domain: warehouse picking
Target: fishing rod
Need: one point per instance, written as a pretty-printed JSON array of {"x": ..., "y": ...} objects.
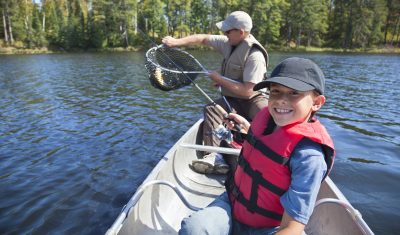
[{"x": 219, "y": 108}]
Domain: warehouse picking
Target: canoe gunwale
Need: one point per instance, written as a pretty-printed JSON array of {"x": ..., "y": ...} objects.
[
  {"x": 355, "y": 214},
  {"x": 118, "y": 223}
]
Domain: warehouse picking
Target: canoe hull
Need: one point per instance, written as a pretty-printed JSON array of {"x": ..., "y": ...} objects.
[{"x": 160, "y": 210}]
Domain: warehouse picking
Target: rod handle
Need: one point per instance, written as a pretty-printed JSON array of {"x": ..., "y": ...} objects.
[{"x": 225, "y": 114}]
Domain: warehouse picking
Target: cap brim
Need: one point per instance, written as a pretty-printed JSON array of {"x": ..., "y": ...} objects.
[
  {"x": 285, "y": 81},
  {"x": 223, "y": 26}
]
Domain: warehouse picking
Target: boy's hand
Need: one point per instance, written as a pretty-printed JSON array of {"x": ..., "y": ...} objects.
[{"x": 233, "y": 119}]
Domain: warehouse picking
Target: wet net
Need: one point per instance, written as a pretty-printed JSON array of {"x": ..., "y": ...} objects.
[{"x": 171, "y": 68}]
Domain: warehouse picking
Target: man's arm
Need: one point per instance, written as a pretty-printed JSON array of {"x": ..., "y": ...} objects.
[
  {"x": 196, "y": 39},
  {"x": 244, "y": 89},
  {"x": 253, "y": 73}
]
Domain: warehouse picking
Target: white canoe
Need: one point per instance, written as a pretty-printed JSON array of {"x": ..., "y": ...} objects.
[{"x": 173, "y": 191}]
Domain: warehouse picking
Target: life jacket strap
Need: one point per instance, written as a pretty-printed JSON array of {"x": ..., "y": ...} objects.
[
  {"x": 258, "y": 179},
  {"x": 253, "y": 207},
  {"x": 267, "y": 152}
]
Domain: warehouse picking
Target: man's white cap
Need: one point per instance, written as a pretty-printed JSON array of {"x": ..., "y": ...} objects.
[{"x": 236, "y": 20}]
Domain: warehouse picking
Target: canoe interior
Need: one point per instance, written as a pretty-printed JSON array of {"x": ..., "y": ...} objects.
[{"x": 160, "y": 210}]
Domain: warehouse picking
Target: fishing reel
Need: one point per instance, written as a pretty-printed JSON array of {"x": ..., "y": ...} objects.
[{"x": 223, "y": 133}]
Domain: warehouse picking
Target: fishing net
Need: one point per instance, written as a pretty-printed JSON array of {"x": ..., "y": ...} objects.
[{"x": 171, "y": 68}]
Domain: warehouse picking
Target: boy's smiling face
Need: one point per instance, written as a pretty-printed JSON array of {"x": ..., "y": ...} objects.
[{"x": 288, "y": 106}]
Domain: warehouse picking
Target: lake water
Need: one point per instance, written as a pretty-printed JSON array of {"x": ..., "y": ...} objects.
[{"x": 80, "y": 132}]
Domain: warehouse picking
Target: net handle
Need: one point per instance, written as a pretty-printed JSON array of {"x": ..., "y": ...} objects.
[{"x": 204, "y": 69}]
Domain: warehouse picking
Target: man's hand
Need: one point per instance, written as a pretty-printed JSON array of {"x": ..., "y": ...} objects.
[
  {"x": 170, "y": 41},
  {"x": 214, "y": 76}
]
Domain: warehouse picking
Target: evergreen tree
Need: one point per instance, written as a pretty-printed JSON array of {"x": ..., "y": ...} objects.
[
  {"x": 267, "y": 20},
  {"x": 39, "y": 39},
  {"x": 392, "y": 23},
  {"x": 6, "y": 7},
  {"x": 84, "y": 24},
  {"x": 199, "y": 17},
  {"x": 128, "y": 21},
  {"x": 306, "y": 20},
  {"x": 55, "y": 23},
  {"x": 22, "y": 22},
  {"x": 97, "y": 24},
  {"x": 153, "y": 17}
]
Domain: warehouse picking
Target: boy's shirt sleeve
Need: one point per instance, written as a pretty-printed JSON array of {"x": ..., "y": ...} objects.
[{"x": 308, "y": 168}]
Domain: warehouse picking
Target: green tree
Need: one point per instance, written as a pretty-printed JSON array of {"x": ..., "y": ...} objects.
[
  {"x": 267, "y": 20},
  {"x": 75, "y": 29},
  {"x": 176, "y": 14},
  {"x": 357, "y": 23},
  {"x": 127, "y": 21},
  {"x": 153, "y": 17},
  {"x": 21, "y": 22},
  {"x": 306, "y": 20},
  {"x": 199, "y": 17},
  {"x": 6, "y": 7},
  {"x": 113, "y": 23},
  {"x": 392, "y": 23},
  {"x": 39, "y": 39},
  {"x": 55, "y": 22},
  {"x": 97, "y": 24},
  {"x": 316, "y": 21}
]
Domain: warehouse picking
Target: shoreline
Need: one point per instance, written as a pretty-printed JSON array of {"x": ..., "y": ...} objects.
[
  {"x": 45, "y": 50},
  {"x": 373, "y": 50}
]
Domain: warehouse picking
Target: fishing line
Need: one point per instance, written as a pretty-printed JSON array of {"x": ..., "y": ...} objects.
[
  {"x": 217, "y": 106},
  {"x": 225, "y": 114}
]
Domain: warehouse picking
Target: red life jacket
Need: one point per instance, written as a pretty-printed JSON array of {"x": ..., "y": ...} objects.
[{"x": 262, "y": 175}]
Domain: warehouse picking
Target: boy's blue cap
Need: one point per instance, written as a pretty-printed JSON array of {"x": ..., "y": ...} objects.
[{"x": 296, "y": 73}]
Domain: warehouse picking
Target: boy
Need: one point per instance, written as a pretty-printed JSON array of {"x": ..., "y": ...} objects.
[{"x": 285, "y": 157}]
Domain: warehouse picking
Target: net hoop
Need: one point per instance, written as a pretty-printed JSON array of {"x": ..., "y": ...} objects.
[
  {"x": 151, "y": 50},
  {"x": 171, "y": 68}
]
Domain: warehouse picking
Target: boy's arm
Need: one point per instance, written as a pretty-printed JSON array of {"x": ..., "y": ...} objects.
[
  {"x": 289, "y": 226},
  {"x": 308, "y": 168}
]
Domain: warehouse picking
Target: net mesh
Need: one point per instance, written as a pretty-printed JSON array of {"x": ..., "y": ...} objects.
[{"x": 167, "y": 68}]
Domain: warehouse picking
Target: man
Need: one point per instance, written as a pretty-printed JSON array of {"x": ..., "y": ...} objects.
[{"x": 245, "y": 61}]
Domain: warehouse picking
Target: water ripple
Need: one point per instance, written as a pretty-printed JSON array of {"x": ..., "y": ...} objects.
[{"x": 80, "y": 132}]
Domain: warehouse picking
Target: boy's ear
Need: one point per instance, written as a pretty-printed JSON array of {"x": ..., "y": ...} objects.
[{"x": 318, "y": 102}]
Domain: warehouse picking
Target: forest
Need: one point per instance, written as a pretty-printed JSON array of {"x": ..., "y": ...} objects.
[{"x": 98, "y": 24}]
